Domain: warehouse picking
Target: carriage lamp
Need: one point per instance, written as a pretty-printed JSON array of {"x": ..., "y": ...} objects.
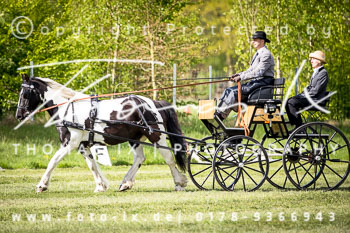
[{"x": 270, "y": 108}]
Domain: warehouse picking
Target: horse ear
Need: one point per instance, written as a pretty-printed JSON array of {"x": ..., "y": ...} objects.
[{"x": 25, "y": 77}]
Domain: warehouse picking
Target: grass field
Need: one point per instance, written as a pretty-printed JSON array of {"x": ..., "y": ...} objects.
[{"x": 151, "y": 206}]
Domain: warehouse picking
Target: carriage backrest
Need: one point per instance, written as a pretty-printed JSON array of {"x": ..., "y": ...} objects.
[
  {"x": 278, "y": 88},
  {"x": 265, "y": 93}
]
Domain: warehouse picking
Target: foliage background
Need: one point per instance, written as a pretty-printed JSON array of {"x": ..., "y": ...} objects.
[
  {"x": 71, "y": 188},
  {"x": 295, "y": 28}
]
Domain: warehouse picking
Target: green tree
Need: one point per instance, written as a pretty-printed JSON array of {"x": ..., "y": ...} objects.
[{"x": 297, "y": 28}]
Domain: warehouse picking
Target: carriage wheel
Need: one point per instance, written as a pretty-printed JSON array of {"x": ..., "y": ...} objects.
[
  {"x": 240, "y": 163},
  {"x": 199, "y": 165},
  {"x": 317, "y": 155},
  {"x": 277, "y": 176}
]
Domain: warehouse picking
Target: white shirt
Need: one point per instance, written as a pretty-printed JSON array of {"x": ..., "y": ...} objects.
[{"x": 316, "y": 70}]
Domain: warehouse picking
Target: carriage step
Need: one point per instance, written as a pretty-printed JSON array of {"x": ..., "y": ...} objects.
[{"x": 234, "y": 131}]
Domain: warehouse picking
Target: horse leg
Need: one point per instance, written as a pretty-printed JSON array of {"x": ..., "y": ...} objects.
[
  {"x": 180, "y": 179},
  {"x": 100, "y": 180},
  {"x": 75, "y": 138},
  {"x": 139, "y": 158},
  {"x": 45, "y": 179}
]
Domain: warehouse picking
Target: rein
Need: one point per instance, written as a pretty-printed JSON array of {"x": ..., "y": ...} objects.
[
  {"x": 240, "y": 116},
  {"x": 133, "y": 92}
]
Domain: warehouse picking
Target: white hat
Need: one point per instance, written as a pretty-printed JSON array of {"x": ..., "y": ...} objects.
[{"x": 319, "y": 55}]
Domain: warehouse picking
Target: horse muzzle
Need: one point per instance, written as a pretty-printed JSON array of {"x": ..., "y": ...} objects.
[{"x": 21, "y": 115}]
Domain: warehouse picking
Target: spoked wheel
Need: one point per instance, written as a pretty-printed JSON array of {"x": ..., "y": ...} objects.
[
  {"x": 277, "y": 176},
  {"x": 240, "y": 163},
  {"x": 317, "y": 155},
  {"x": 199, "y": 165}
]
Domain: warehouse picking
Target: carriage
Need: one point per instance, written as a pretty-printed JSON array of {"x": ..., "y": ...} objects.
[{"x": 315, "y": 155}]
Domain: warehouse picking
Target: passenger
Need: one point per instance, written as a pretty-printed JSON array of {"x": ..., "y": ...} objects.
[
  {"x": 260, "y": 72},
  {"x": 316, "y": 89}
]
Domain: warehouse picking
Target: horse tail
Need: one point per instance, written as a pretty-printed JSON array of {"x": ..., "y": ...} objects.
[{"x": 178, "y": 143}]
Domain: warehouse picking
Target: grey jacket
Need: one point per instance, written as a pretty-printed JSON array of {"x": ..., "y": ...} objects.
[
  {"x": 262, "y": 64},
  {"x": 318, "y": 84}
]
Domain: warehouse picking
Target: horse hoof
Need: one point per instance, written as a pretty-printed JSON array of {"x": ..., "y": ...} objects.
[
  {"x": 122, "y": 189},
  {"x": 179, "y": 188},
  {"x": 125, "y": 186},
  {"x": 41, "y": 189},
  {"x": 100, "y": 189}
]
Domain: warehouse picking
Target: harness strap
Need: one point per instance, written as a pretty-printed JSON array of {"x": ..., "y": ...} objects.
[
  {"x": 92, "y": 118},
  {"x": 128, "y": 122},
  {"x": 240, "y": 116},
  {"x": 73, "y": 113},
  {"x": 66, "y": 112},
  {"x": 28, "y": 86},
  {"x": 141, "y": 114}
]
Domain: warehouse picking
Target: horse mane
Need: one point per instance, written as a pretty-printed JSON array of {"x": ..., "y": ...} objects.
[{"x": 65, "y": 91}]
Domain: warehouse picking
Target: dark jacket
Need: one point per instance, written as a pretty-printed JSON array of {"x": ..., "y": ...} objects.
[{"x": 318, "y": 84}]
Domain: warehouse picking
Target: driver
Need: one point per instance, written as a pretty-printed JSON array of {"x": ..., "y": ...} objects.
[{"x": 260, "y": 72}]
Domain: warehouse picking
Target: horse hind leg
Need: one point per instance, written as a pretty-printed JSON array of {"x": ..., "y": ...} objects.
[
  {"x": 139, "y": 158},
  {"x": 180, "y": 179}
]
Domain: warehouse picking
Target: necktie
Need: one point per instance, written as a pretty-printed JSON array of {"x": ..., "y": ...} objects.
[{"x": 256, "y": 54}]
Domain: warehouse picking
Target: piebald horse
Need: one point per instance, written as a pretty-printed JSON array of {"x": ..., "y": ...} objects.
[{"x": 153, "y": 114}]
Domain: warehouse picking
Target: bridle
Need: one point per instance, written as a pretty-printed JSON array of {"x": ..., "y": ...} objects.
[{"x": 28, "y": 90}]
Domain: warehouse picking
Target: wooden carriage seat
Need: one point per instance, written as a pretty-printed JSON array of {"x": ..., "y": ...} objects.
[{"x": 258, "y": 98}]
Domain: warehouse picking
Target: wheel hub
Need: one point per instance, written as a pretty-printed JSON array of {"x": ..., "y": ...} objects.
[
  {"x": 293, "y": 157},
  {"x": 315, "y": 159}
]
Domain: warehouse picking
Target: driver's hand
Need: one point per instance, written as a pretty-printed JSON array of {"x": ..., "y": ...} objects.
[
  {"x": 236, "y": 78},
  {"x": 233, "y": 76}
]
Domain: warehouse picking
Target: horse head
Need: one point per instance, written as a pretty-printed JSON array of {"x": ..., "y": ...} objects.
[{"x": 31, "y": 95}]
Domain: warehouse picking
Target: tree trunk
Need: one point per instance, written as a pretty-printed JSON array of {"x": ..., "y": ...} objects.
[
  {"x": 114, "y": 67},
  {"x": 278, "y": 70}
]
